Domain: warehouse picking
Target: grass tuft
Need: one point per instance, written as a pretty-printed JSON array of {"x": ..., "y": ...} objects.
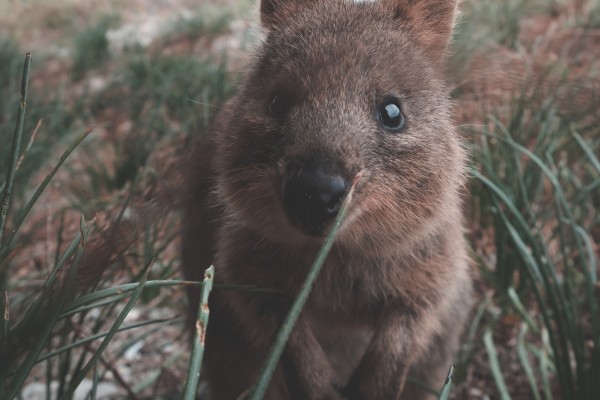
[{"x": 91, "y": 47}]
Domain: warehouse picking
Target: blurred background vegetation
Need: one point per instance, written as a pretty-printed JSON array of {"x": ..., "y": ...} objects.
[{"x": 150, "y": 75}]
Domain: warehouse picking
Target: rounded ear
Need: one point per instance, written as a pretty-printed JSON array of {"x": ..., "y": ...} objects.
[
  {"x": 274, "y": 12},
  {"x": 432, "y": 21}
]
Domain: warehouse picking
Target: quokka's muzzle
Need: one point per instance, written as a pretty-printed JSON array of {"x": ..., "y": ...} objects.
[{"x": 312, "y": 196}]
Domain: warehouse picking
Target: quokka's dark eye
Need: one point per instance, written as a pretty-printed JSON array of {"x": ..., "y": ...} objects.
[
  {"x": 391, "y": 115},
  {"x": 280, "y": 105},
  {"x": 276, "y": 107}
]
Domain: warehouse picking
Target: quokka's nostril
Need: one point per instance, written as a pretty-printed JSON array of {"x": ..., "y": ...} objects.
[
  {"x": 332, "y": 198},
  {"x": 312, "y": 197}
]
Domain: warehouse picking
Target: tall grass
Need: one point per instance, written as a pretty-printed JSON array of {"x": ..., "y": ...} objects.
[
  {"x": 46, "y": 109},
  {"x": 536, "y": 187},
  {"x": 49, "y": 328},
  {"x": 63, "y": 329},
  {"x": 91, "y": 47}
]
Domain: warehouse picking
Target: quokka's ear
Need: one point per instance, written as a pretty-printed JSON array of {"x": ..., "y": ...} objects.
[
  {"x": 432, "y": 21},
  {"x": 274, "y": 12}
]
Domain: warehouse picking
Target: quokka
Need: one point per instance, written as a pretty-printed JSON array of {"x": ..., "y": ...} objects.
[{"x": 338, "y": 88}]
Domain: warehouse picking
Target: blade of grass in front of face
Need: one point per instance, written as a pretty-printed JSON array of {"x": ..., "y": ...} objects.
[
  {"x": 524, "y": 359},
  {"x": 191, "y": 386},
  {"x": 259, "y": 389},
  {"x": 16, "y": 148},
  {"x": 448, "y": 385},
  {"x": 4, "y": 250},
  {"x": 30, "y": 360},
  {"x": 495, "y": 365},
  {"x": 81, "y": 373}
]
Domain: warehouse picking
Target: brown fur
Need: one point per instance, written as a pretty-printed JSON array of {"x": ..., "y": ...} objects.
[{"x": 391, "y": 299}]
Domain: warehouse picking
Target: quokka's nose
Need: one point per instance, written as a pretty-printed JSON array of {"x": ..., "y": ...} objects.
[{"x": 312, "y": 197}]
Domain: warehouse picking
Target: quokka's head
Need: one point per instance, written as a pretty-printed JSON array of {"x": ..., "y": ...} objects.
[{"x": 339, "y": 88}]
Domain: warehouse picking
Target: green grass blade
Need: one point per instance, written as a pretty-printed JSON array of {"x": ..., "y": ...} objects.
[
  {"x": 558, "y": 190},
  {"x": 95, "y": 381},
  {"x": 570, "y": 311},
  {"x": 546, "y": 368},
  {"x": 259, "y": 389},
  {"x": 82, "y": 373},
  {"x": 524, "y": 359},
  {"x": 50, "y": 281},
  {"x": 553, "y": 315},
  {"x": 587, "y": 149},
  {"x": 16, "y": 147},
  {"x": 502, "y": 196},
  {"x": 495, "y": 365},
  {"x": 30, "y": 360},
  {"x": 114, "y": 299},
  {"x": 519, "y": 175},
  {"x": 9, "y": 242},
  {"x": 4, "y": 331},
  {"x": 562, "y": 320},
  {"x": 514, "y": 297},
  {"x": 87, "y": 299},
  {"x": 191, "y": 386},
  {"x": 97, "y": 336},
  {"x": 448, "y": 385}
]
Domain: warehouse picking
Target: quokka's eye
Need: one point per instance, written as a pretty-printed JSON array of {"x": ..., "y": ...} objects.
[
  {"x": 277, "y": 107},
  {"x": 391, "y": 115},
  {"x": 280, "y": 104}
]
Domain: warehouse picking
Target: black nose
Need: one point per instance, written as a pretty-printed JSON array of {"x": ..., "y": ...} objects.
[{"x": 312, "y": 197}]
